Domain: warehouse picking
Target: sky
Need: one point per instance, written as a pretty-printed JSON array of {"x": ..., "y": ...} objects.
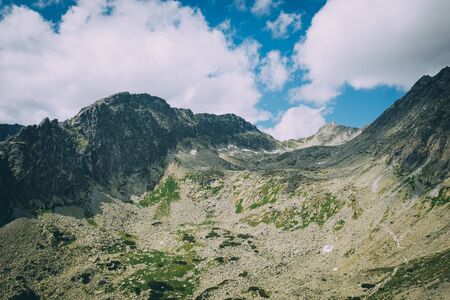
[{"x": 289, "y": 66}]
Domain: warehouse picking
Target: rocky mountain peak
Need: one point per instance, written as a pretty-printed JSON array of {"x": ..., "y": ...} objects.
[
  {"x": 8, "y": 130},
  {"x": 330, "y": 134},
  {"x": 414, "y": 131},
  {"x": 121, "y": 143}
]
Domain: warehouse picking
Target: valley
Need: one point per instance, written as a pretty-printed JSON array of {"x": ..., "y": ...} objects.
[{"x": 171, "y": 205}]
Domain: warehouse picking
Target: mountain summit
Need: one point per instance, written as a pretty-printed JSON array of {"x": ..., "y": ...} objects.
[
  {"x": 330, "y": 134},
  {"x": 415, "y": 131}
]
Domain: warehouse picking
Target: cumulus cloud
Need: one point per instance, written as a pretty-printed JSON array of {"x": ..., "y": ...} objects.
[
  {"x": 366, "y": 43},
  {"x": 263, "y": 7},
  {"x": 274, "y": 71},
  {"x": 102, "y": 47},
  {"x": 314, "y": 93},
  {"x": 284, "y": 23},
  {"x": 297, "y": 122}
]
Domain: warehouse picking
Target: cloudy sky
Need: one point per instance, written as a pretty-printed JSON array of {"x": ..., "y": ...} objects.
[{"x": 289, "y": 66}]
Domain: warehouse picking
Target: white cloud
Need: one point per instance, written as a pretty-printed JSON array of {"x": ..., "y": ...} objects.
[
  {"x": 240, "y": 5},
  {"x": 283, "y": 24},
  {"x": 297, "y": 122},
  {"x": 103, "y": 47},
  {"x": 367, "y": 43},
  {"x": 263, "y": 7},
  {"x": 274, "y": 72},
  {"x": 313, "y": 93},
  {"x": 46, "y": 3}
]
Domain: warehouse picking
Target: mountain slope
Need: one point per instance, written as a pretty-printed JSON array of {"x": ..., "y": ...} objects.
[
  {"x": 415, "y": 130},
  {"x": 214, "y": 210},
  {"x": 411, "y": 135}
]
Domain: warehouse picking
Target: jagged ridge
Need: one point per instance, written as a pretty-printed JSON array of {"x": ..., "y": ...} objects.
[{"x": 121, "y": 143}]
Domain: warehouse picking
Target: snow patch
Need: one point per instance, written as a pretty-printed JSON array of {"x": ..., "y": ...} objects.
[
  {"x": 248, "y": 150},
  {"x": 327, "y": 248},
  {"x": 193, "y": 152},
  {"x": 278, "y": 151},
  {"x": 375, "y": 184},
  {"x": 434, "y": 192}
]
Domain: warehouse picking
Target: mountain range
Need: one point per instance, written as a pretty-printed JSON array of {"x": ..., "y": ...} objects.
[{"x": 134, "y": 199}]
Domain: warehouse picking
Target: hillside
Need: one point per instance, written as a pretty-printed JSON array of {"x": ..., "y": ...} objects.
[{"x": 134, "y": 199}]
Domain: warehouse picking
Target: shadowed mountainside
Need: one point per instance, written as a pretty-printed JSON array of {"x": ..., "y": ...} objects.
[{"x": 8, "y": 130}]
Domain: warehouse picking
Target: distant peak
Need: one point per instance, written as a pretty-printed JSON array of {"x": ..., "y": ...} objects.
[
  {"x": 445, "y": 69},
  {"x": 334, "y": 126},
  {"x": 444, "y": 73},
  {"x": 329, "y": 125}
]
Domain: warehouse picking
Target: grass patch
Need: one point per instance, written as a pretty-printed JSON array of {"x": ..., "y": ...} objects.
[
  {"x": 188, "y": 238},
  {"x": 338, "y": 225},
  {"x": 163, "y": 195},
  {"x": 239, "y": 208},
  {"x": 124, "y": 243},
  {"x": 128, "y": 239},
  {"x": 443, "y": 197},
  {"x": 321, "y": 210},
  {"x": 292, "y": 182},
  {"x": 213, "y": 234},
  {"x": 318, "y": 212},
  {"x": 91, "y": 221},
  {"x": 209, "y": 214},
  {"x": 357, "y": 211},
  {"x": 228, "y": 243},
  {"x": 268, "y": 194},
  {"x": 59, "y": 237},
  {"x": 210, "y": 181},
  {"x": 428, "y": 272},
  {"x": 164, "y": 275},
  {"x": 208, "y": 222}
]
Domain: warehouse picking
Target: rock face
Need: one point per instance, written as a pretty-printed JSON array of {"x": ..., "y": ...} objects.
[
  {"x": 7, "y": 130},
  {"x": 120, "y": 143},
  {"x": 415, "y": 131},
  {"x": 330, "y": 134},
  {"x": 40, "y": 165}
]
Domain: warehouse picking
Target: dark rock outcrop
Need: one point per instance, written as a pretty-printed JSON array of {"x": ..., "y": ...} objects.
[{"x": 9, "y": 130}]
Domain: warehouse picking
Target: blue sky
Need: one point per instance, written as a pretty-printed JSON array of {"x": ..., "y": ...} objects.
[{"x": 289, "y": 81}]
